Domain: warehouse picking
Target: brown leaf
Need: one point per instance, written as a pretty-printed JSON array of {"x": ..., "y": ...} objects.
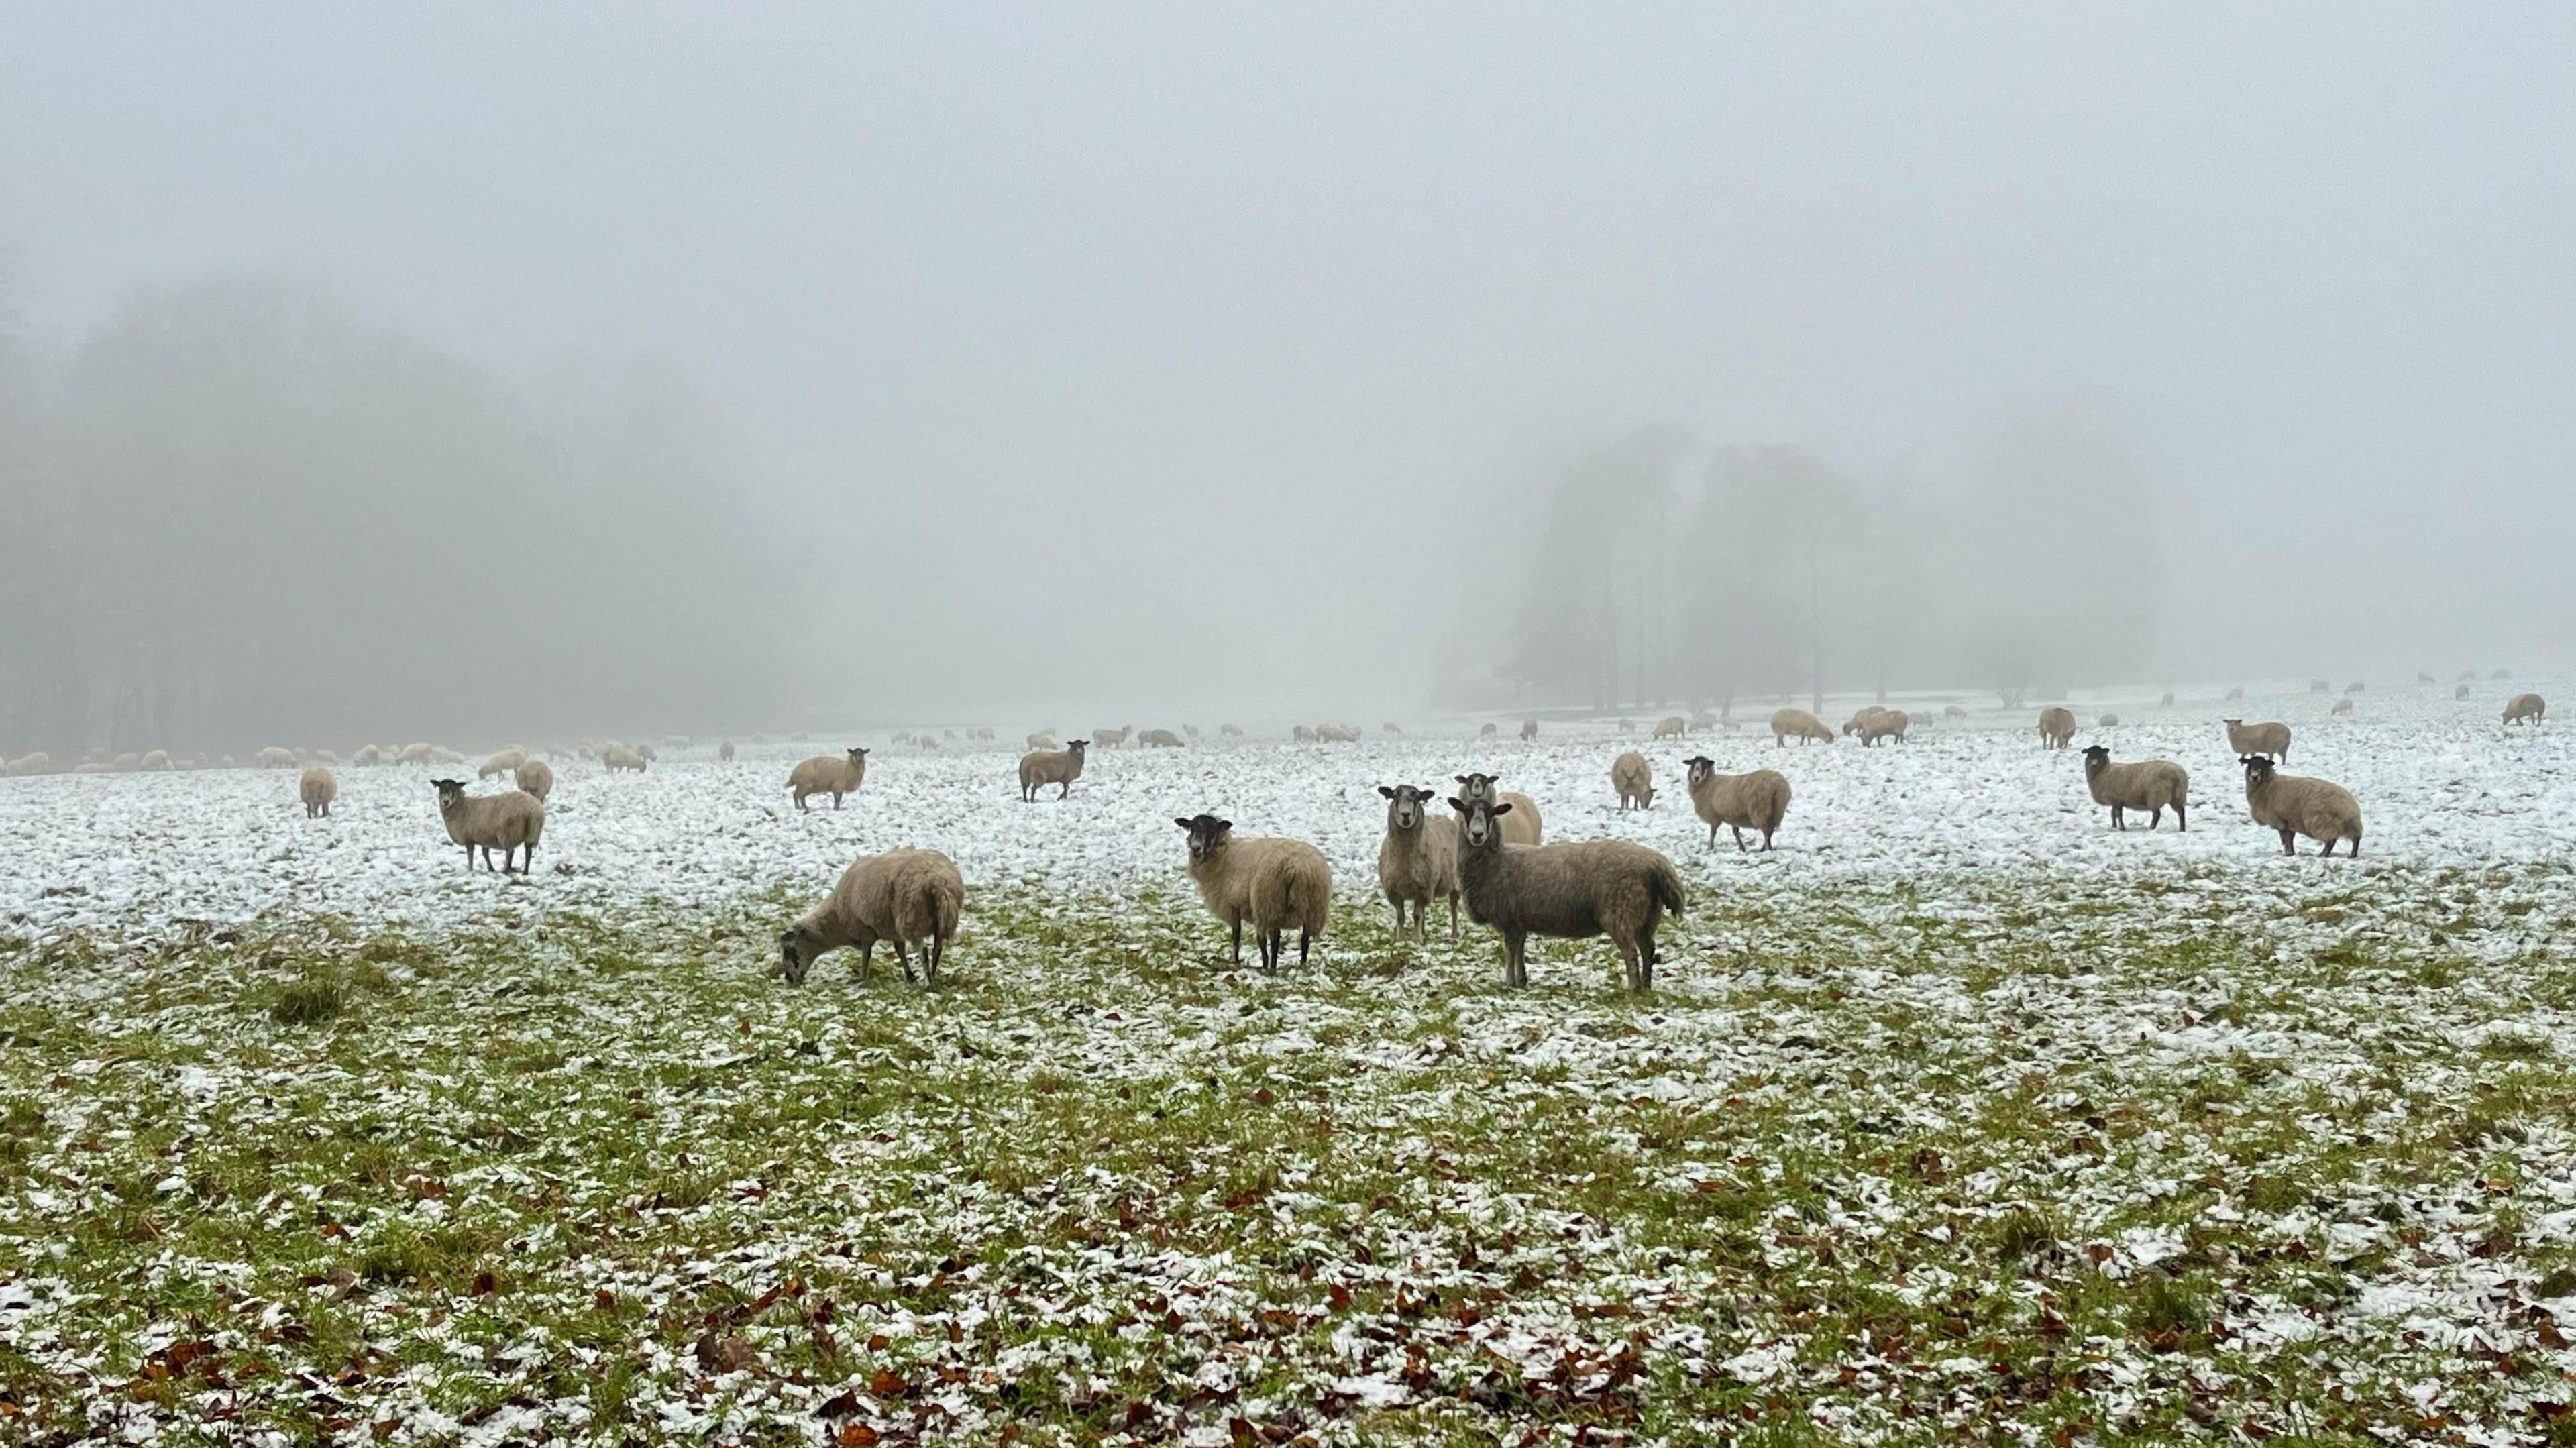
[
  {"x": 886, "y": 1384},
  {"x": 856, "y": 1435}
]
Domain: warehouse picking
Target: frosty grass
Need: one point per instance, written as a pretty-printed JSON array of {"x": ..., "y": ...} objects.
[{"x": 1959, "y": 1118}]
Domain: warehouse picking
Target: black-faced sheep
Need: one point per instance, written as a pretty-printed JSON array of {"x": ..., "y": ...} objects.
[
  {"x": 508, "y": 822},
  {"x": 1417, "y": 862},
  {"x": 908, "y": 898},
  {"x": 1633, "y": 780},
  {"x": 2270, "y": 738},
  {"x": 1755, "y": 801},
  {"x": 2295, "y": 805},
  {"x": 1273, "y": 883},
  {"x": 2154, "y": 785},
  {"x": 1059, "y": 767},
  {"x": 1573, "y": 892}
]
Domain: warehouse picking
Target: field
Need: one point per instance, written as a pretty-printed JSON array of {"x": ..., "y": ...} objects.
[{"x": 1961, "y": 1117}]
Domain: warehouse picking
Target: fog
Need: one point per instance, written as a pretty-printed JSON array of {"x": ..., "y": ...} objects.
[{"x": 489, "y": 371}]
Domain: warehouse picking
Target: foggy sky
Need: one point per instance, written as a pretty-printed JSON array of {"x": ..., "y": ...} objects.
[{"x": 1203, "y": 358}]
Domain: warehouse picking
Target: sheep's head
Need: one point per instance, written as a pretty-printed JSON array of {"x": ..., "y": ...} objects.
[
  {"x": 857, "y": 756},
  {"x": 1476, "y": 824},
  {"x": 1700, "y": 767},
  {"x": 1405, "y": 806},
  {"x": 1077, "y": 746},
  {"x": 798, "y": 948},
  {"x": 2097, "y": 757},
  {"x": 2258, "y": 769},
  {"x": 1207, "y": 834},
  {"x": 2233, "y": 723},
  {"x": 451, "y": 793},
  {"x": 1475, "y": 787}
]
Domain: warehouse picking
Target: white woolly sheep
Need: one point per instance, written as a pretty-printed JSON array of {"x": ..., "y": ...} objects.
[
  {"x": 274, "y": 757},
  {"x": 367, "y": 754},
  {"x": 1112, "y": 738},
  {"x": 725, "y": 751},
  {"x": 317, "y": 789},
  {"x": 1672, "y": 726},
  {"x": 2107, "y": 721},
  {"x": 1953, "y": 711},
  {"x": 1273, "y": 883},
  {"x": 1884, "y": 724},
  {"x": 1059, "y": 767},
  {"x": 1230, "y": 731},
  {"x": 2235, "y": 693},
  {"x": 2341, "y": 706},
  {"x": 1787, "y": 724},
  {"x": 1758, "y": 800},
  {"x": 1391, "y": 729},
  {"x": 907, "y": 898},
  {"x": 618, "y": 756},
  {"x": 508, "y": 822},
  {"x": 157, "y": 760},
  {"x": 1043, "y": 739},
  {"x": 832, "y": 774},
  {"x": 2056, "y": 726},
  {"x": 1573, "y": 892},
  {"x": 2525, "y": 709},
  {"x": 1303, "y": 733},
  {"x": 2294, "y": 805},
  {"x": 2461, "y": 692},
  {"x": 1529, "y": 730},
  {"x": 1490, "y": 731},
  {"x": 538, "y": 778},
  {"x": 1522, "y": 825},
  {"x": 2154, "y": 785},
  {"x": 1633, "y": 780},
  {"x": 2167, "y": 701},
  {"x": 2271, "y": 738},
  {"x": 2355, "y": 687},
  {"x": 506, "y": 762},
  {"x": 1160, "y": 739},
  {"x": 1417, "y": 862}
]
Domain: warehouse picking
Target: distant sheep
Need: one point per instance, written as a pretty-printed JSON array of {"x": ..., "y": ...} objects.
[
  {"x": 1043, "y": 739},
  {"x": 832, "y": 774},
  {"x": 1884, "y": 724},
  {"x": 2501, "y": 674},
  {"x": 1230, "y": 731},
  {"x": 724, "y": 751},
  {"x": 538, "y": 778},
  {"x": 908, "y": 898},
  {"x": 158, "y": 760},
  {"x": 1521, "y": 824},
  {"x": 1303, "y": 734},
  {"x": 1057, "y": 767},
  {"x": 366, "y": 755},
  {"x": 1272, "y": 883},
  {"x": 2154, "y": 785},
  {"x": 1755, "y": 801},
  {"x": 1787, "y": 724},
  {"x": 1417, "y": 862},
  {"x": 1490, "y": 731},
  {"x": 2341, "y": 706},
  {"x": 1633, "y": 780},
  {"x": 1190, "y": 732},
  {"x": 2425, "y": 676},
  {"x": 1391, "y": 729},
  {"x": 2107, "y": 721},
  {"x": 1953, "y": 711},
  {"x": 274, "y": 757},
  {"x": 1573, "y": 892},
  {"x": 36, "y": 763},
  {"x": 1160, "y": 739},
  {"x": 1112, "y": 738},
  {"x": 2524, "y": 709},
  {"x": 2465, "y": 675},
  {"x": 506, "y": 761},
  {"x": 2355, "y": 687},
  {"x": 647, "y": 753},
  {"x": 317, "y": 789},
  {"x": 1627, "y": 726},
  {"x": 2167, "y": 701},
  {"x": 1672, "y": 726},
  {"x": 2056, "y": 727},
  {"x": 1339, "y": 733},
  {"x": 2320, "y": 686},
  {"x": 2236, "y": 693},
  {"x": 2461, "y": 692},
  {"x": 129, "y": 761},
  {"x": 510, "y": 823},
  {"x": 2272, "y": 738},
  {"x": 1529, "y": 730},
  {"x": 2319, "y": 809},
  {"x": 617, "y": 757}
]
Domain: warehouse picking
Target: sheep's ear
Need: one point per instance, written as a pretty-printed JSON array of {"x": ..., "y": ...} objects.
[
  {"x": 1457, "y": 804},
  {"x": 1504, "y": 808},
  {"x": 1184, "y": 824},
  {"x": 1462, "y": 779},
  {"x": 1382, "y": 789},
  {"x": 1224, "y": 825}
]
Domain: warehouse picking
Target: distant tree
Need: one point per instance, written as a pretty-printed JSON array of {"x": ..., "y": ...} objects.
[{"x": 1583, "y": 597}]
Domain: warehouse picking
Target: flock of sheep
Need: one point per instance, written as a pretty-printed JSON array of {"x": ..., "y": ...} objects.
[{"x": 1485, "y": 853}]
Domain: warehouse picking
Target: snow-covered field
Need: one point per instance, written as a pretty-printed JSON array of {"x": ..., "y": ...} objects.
[{"x": 1960, "y": 1113}]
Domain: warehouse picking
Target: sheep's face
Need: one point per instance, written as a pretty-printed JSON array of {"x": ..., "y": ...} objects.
[
  {"x": 1208, "y": 834},
  {"x": 1077, "y": 746},
  {"x": 2097, "y": 757},
  {"x": 1478, "y": 827},
  {"x": 2258, "y": 770},
  {"x": 1646, "y": 797},
  {"x": 858, "y": 756},
  {"x": 451, "y": 793},
  {"x": 1700, "y": 767},
  {"x": 1472, "y": 787},
  {"x": 798, "y": 949},
  {"x": 1404, "y": 806}
]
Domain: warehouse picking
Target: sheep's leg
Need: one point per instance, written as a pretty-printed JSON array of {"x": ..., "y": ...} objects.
[
  {"x": 2118, "y": 820},
  {"x": 903, "y": 958},
  {"x": 1238, "y": 940},
  {"x": 867, "y": 959},
  {"x": 1064, "y": 789},
  {"x": 1766, "y": 839},
  {"x": 1736, "y": 830},
  {"x": 2287, "y": 847},
  {"x": 1306, "y": 942},
  {"x": 836, "y": 799},
  {"x": 1515, "y": 959},
  {"x": 2181, "y": 824},
  {"x": 1453, "y": 919},
  {"x": 1628, "y": 960}
]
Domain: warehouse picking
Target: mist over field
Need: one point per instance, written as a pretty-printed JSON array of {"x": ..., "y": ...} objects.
[{"x": 491, "y": 371}]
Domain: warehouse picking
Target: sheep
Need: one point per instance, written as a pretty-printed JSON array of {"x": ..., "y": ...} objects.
[
  {"x": 2295, "y": 805},
  {"x": 506, "y": 761},
  {"x": 1786, "y": 723},
  {"x": 2153, "y": 785},
  {"x": 158, "y": 760},
  {"x": 724, "y": 751},
  {"x": 1703, "y": 719},
  {"x": 507, "y": 822},
  {"x": 274, "y": 757},
  {"x": 1391, "y": 729},
  {"x": 538, "y": 778},
  {"x": 2425, "y": 676},
  {"x": 2056, "y": 727},
  {"x": 2355, "y": 687},
  {"x": 1230, "y": 731},
  {"x": 2341, "y": 706},
  {"x": 2465, "y": 675},
  {"x": 647, "y": 753},
  {"x": 1043, "y": 739},
  {"x": 1851, "y": 726},
  {"x": 2272, "y": 739},
  {"x": 2524, "y": 709},
  {"x": 1627, "y": 726},
  {"x": 907, "y": 898},
  {"x": 2107, "y": 721},
  {"x": 1490, "y": 731},
  {"x": 38, "y": 762},
  {"x": 2461, "y": 692},
  {"x": 317, "y": 789},
  {"x": 1111, "y": 738},
  {"x": 928, "y": 743},
  {"x": 1755, "y": 801},
  {"x": 414, "y": 754},
  {"x": 829, "y": 774},
  {"x": 1160, "y": 739},
  {"x": 1188, "y": 731},
  {"x": 1953, "y": 711},
  {"x": 367, "y": 754},
  {"x": 2167, "y": 701},
  {"x": 1597, "y": 887},
  {"x": 1529, "y": 730},
  {"x": 126, "y": 763},
  {"x": 1522, "y": 826},
  {"x": 2236, "y": 693},
  {"x": 2501, "y": 674},
  {"x": 1057, "y": 767},
  {"x": 1418, "y": 860},
  {"x": 1274, "y": 883},
  {"x": 1884, "y": 724},
  {"x": 1633, "y": 780},
  {"x": 1339, "y": 733},
  {"x": 1672, "y": 726},
  {"x": 1303, "y": 734},
  {"x": 618, "y": 756}
]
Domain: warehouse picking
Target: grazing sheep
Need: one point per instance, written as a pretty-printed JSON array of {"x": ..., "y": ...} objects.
[
  {"x": 538, "y": 778},
  {"x": 1672, "y": 726},
  {"x": 274, "y": 757},
  {"x": 1057, "y": 767},
  {"x": 1573, "y": 892},
  {"x": 2154, "y": 785},
  {"x": 926, "y": 742},
  {"x": 38, "y": 762},
  {"x": 1043, "y": 739},
  {"x": 506, "y": 761},
  {"x": 1786, "y": 723},
  {"x": 2524, "y": 709},
  {"x": 1703, "y": 719},
  {"x": 414, "y": 754},
  {"x": 1755, "y": 801},
  {"x": 158, "y": 760},
  {"x": 317, "y": 789},
  {"x": 2056, "y": 726},
  {"x": 2355, "y": 687},
  {"x": 724, "y": 751},
  {"x": 1418, "y": 860},
  {"x": 506, "y": 822},
  {"x": 1230, "y": 731},
  {"x": 367, "y": 754},
  {"x": 1339, "y": 733},
  {"x": 1490, "y": 731},
  {"x": 647, "y": 753},
  {"x": 1953, "y": 711},
  {"x": 835, "y": 775},
  {"x": 1391, "y": 730},
  {"x": 2295, "y": 805},
  {"x": 128, "y": 762},
  {"x": 2107, "y": 721},
  {"x": 618, "y": 756},
  {"x": 1851, "y": 726},
  {"x": 2461, "y": 692},
  {"x": 908, "y": 898},
  {"x": 1627, "y": 726},
  {"x": 1274, "y": 883},
  {"x": 1160, "y": 739},
  {"x": 2272, "y": 738},
  {"x": 1112, "y": 738},
  {"x": 2167, "y": 701},
  {"x": 1634, "y": 780},
  {"x": 2236, "y": 693},
  {"x": 1522, "y": 825},
  {"x": 1884, "y": 724},
  {"x": 2341, "y": 706},
  {"x": 1303, "y": 733},
  {"x": 1529, "y": 730}
]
